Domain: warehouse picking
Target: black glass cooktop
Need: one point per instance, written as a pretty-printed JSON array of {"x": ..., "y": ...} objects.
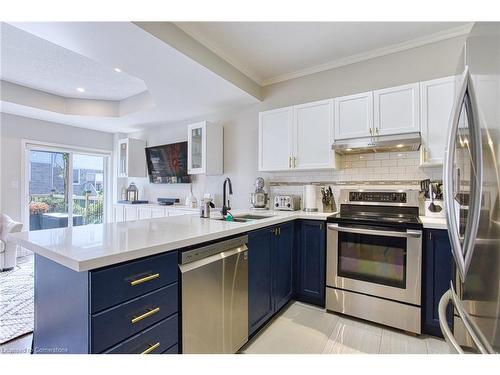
[{"x": 401, "y": 217}]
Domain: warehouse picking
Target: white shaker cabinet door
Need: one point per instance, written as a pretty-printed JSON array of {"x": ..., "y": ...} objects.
[
  {"x": 130, "y": 212},
  {"x": 396, "y": 110},
  {"x": 437, "y": 97},
  {"x": 353, "y": 116},
  {"x": 275, "y": 139},
  {"x": 118, "y": 213},
  {"x": 313, "y": 135},
  {"x": 143, "y": 213},
  {"x": 158, "y": 212}
]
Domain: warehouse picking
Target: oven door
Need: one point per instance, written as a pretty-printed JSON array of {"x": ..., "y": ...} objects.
[{"x": 377, "y": 261}]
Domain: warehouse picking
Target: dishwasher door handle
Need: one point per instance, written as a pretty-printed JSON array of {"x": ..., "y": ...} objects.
[{"x": 213, "y": 258}]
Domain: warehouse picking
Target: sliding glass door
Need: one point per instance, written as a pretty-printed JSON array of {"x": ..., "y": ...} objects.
[
  {"x": 64, "y": 187},
  {"x": 88, "y": 189},
  {"x": 48, "y": 189}
]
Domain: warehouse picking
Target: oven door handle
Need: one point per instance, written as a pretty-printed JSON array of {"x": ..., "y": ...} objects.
[{"x": 387, "y": 233}]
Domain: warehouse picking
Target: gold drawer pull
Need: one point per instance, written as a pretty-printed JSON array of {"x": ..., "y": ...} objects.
[
  {"x": 145, "y": 315},
  {"x": 144, "y": 279},
  {"x": 151, "y": 348}
]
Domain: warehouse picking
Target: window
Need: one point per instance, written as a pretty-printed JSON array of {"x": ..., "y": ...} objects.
[{"x": 76, "y": 177}]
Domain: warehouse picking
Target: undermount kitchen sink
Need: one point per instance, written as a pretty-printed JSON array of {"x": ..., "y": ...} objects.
[
  {"x": 244, "y": 218},
  {"x": 252, "y": 217}
]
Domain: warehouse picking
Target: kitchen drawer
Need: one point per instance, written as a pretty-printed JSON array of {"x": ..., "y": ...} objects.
[
  {"x": 114, "y": 325},
  {"x": 172, "y": 350},
  {"x": 160, "y": 338},
  {"x": 118, "y": 284}
]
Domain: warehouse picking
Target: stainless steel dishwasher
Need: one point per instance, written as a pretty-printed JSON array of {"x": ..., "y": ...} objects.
[{"x": 215, "y": 297}]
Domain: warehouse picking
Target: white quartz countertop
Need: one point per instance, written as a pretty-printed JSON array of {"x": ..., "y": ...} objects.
[
  {"x": 88, "y": 247},
  {"x": 433, "y": 222}
]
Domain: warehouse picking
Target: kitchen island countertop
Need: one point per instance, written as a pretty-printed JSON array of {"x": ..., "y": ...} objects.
[{"x": 84, "y": 248}]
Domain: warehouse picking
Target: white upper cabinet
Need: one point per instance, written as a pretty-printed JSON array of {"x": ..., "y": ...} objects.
[
  {"x": 437, "y": 97},
  {"x": 298, "y": 137},
  {"x": 354, "y": 116},
  {"x": 131, "y": 158},
  {"x": 205, "y": 148},
  {"x": 396, "y": 110},
  {"x": 313, "y": 135},
  {"x": 275, "y": 139}
]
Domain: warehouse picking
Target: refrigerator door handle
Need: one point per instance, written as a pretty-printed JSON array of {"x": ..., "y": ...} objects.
[
  {"x": 463, "y": 253},
  {"x": 443, "y": 322},
  {"x": 479, "y": 340}
]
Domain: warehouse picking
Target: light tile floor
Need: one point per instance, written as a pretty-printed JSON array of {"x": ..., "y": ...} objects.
[{"x": 306, "y": 329}]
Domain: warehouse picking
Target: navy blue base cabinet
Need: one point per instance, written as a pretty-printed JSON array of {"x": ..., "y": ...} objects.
[
  {"x": 125, "y": 308},
  {"x": 270, "y": 281},
  {"x": 310, "y": 262},
  {"x": 437, "y": 274}
]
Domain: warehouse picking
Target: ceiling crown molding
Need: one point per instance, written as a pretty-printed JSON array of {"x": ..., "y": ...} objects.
[
  {"x": 237, "y": 64},
  {"x": 413, "y": 43}
]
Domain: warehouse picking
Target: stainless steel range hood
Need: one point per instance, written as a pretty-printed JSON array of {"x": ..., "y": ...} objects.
[{"x": 387, "y": 143}]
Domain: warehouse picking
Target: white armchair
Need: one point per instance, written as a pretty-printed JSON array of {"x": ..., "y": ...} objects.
[{"x": 8, "y": 249}]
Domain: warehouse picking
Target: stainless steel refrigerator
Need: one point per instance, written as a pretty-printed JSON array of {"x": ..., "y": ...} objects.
[{"x": 472, "y": 187}]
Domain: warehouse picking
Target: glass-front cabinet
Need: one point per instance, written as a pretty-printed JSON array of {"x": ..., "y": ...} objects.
[
  {"x": 131, "y": 158},
  {"x": 196, "y": 152},
  {"x": 122, "y": 157},
  {"x": 205, "y": 148}
]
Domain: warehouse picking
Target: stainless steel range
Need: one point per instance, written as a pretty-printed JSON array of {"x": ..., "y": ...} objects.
[{"x": 374, "y": 257}]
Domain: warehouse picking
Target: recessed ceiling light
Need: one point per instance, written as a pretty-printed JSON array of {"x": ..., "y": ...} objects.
[
  {"x": 118, "y": 70},
  {"x": 348, "y": 149},
  {"x": 400, "y": 145},
  {"x": 80, "y": 89}
]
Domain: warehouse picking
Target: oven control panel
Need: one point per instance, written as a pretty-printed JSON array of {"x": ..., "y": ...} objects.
[{"x": 377, "y": 196}]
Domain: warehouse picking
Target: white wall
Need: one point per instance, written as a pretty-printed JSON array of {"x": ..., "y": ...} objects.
[
  {"x": 241, "y": 129},
  {"x": 15, "y": 128}
]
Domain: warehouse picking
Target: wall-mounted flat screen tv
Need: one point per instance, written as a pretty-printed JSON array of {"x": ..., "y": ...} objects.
[{"x": 167, "y": 164}]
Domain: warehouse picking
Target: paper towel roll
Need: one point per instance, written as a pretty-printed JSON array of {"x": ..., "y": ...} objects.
[{"x": 310, "y": 198}]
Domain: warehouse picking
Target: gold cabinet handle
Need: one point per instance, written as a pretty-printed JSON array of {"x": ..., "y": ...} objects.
[
  {"x": 371, "y": 131},
  {"x": 294, "y": 162},
  {"x": 279, "y": 231},
  {"x": 376, "y": 130},
  {"x": 145, "y": 315},
  {"x": 144, "y": 279},
  {"x": 151, "y": 348},
  {"x": 289, "y": 162}
]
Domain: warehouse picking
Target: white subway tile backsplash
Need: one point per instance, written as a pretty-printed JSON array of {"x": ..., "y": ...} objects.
[
  {"x": 390, "y": 163},
  {"x": 359, "y": 164},
  {"x": 373, "y": 163},
  {"x": 398, "y": 170},
  {"x": 381, "y": 156},
  {"x": 405, "y": 162},
  {"x": 390, "y": 166},
  {"x": 397, "y": 155},
  {"x": 366, "y": 157},
  {"x": 413, "y": 155}
]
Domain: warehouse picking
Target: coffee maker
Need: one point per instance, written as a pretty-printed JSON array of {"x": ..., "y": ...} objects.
[{"x": 259, "y": 198}]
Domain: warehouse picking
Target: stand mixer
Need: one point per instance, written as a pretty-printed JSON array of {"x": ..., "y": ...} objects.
[{"x": 259, "y": 198}]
